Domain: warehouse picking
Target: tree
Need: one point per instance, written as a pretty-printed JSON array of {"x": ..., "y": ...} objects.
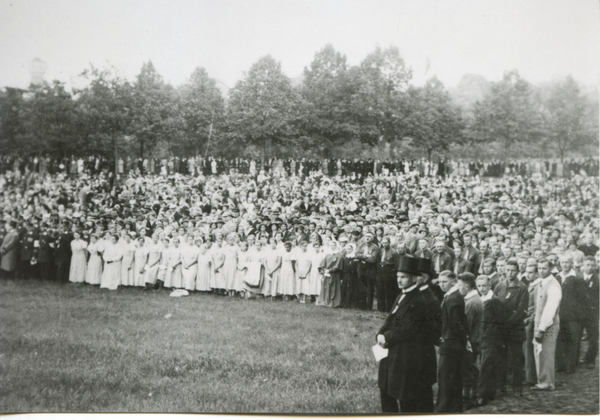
[
  {"x": 201, "y": 108},
  {"x": 380, "y": 102},
  {"x": 327, "y": 92},
  {"x": 49, "y": 118},
  {"x": 153, "y": 111},
  {"x": 263, "y": 108},
  {"x": 12, "y": 127},
  {"x": 569, "y": 121},
  {"x": 434, "y": 121},
  {"x": 509, "y": 113},
  {"x": 104, "y": 109}
]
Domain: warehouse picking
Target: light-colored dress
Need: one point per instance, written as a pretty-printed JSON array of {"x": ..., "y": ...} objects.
[
  {"x": 93, "y": 274},
  {"x": 303, "y": 269},
  {"x": 272, "y": 260},
  {"x": 154, "y": 261},
  {"x": 78, "y": 261},
  {"x": 230, "y": 267},
  {"x": 127, "y": 274},
  {"x": 251, "y": 270},
  {"x": 217, "y": 260},
  {"x": 203, "y": 275},
  {"x": 288, "y": 275},
  {"x": 316, "y": 277},
  {"x": 111, "y": 276},
  {"x": 139, "y": 265},
  {"x": 189, "y": 257},
  {"x": 173, "y": 277}
]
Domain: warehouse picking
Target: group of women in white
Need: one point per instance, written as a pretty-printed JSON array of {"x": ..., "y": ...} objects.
[{"x": 265, "y": 267}]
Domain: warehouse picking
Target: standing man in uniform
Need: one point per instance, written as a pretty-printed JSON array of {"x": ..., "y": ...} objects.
[{"x": 404, "y": 335}]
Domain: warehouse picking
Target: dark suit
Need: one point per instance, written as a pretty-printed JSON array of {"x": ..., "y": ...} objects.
[
  {"x": 454, "y": 340},
  {"x": 434, "y": 314},
  {"x": 460, "y": 266},
  {"x": 474, "y": 256},
  {"x": 515, "y": 299},
  {"x": 62, "y": 256},
  {"x": 573, "y": 307},
  {"x": 492, "y": 340},
  {"x": 387, "y": 285},
  {"x": 441, "y": 262},
  {"x": 400, "y": 374}
]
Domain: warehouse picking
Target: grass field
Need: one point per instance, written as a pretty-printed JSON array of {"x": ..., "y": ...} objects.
[{"x": 75, "y": 348}]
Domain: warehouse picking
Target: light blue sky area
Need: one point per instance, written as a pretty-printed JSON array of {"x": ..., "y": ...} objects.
[{"x": 543, "y": 39}]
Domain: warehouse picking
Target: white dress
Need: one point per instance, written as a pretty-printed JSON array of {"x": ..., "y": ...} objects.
[
  {"x": 127, "y": 274},
  {"x": 189, "y": 257},
  {"x": 139, "y": 265},
  {"x": 204, "y": 272},
  {"x": 78, "y": 261},
  {"x": 173, "y": 277},
  {"x": 154, "y": 260},
  {"x": 93, "y": 274},
  {"x": 315, "y": 277},
  {"x": 111, "y": 276}
]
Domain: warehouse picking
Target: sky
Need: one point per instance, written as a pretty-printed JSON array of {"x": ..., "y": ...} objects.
[{"x": 543, "y": 39}]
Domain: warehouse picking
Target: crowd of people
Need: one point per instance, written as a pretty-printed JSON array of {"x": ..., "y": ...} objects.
[
  {"x": 196, "y": 165},
  {"x": 494, "y": 264}
]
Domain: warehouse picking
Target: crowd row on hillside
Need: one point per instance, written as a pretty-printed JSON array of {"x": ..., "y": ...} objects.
[{"x": 321, "y": 238}]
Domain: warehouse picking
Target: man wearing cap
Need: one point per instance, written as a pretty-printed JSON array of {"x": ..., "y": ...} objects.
[
  {"x": 404, "y": 334},
  {"x": 366, "y": 253}
]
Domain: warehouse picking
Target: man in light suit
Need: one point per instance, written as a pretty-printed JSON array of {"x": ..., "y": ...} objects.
[{"x": 547, "y": 324}]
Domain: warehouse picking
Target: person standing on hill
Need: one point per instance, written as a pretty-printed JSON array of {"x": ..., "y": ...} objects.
[
  {"x": 455, "y": 332},
  {"x": 10, "y": 250},
  {"x": 405, "y": 334}
]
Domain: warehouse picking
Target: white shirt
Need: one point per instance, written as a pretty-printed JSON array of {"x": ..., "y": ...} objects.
[
  {"x": 487, "y": 296},
  {"x": 552, "y": 304}
]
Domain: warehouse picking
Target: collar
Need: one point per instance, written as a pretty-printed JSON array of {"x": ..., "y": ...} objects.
[
  {"x": 452, "y": 290},
  {"x": 569, "y": 274},
  {"x": 548, "y": 280},
  {"x": 535, "y": 282},
  {"x": 424, "y": 287},
  {"x": 471, "y": 294},
  {"x": 410, "y": 289},
  {"x": 487, "y": 296}
]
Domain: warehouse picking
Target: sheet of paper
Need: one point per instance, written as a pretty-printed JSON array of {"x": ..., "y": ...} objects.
[
  {"x": 537, "y": 347},
  {"x": 379, "y": 352}
]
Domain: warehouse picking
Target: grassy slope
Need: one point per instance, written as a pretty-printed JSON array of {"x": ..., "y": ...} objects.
[{"x": 77, "y": 348}]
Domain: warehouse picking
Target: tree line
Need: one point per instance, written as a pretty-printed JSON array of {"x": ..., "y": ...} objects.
[{"x": 337, "y": 110}]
